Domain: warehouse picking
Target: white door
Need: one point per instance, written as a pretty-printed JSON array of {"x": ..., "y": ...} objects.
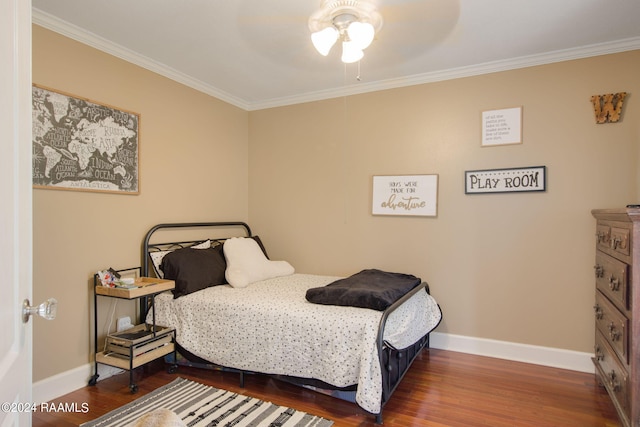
[{"x": 15, "y": 211}]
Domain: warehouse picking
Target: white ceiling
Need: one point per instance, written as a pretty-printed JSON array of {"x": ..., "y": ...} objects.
[{"x": 257, "y": 53}]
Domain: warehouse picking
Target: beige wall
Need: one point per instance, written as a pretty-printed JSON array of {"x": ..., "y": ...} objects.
[
  {"x": 193, "y": 166},
  {"x": 510, "y": 267}
]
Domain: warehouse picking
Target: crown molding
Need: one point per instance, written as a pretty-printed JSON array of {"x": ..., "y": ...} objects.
[
  {"x": 456, "y": 73},
  {"x": 76, "y": 33},
  {"x": 81, "y": 35}
]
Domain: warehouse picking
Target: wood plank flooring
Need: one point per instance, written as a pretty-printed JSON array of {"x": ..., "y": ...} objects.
[{"x": 442, "y": 388}]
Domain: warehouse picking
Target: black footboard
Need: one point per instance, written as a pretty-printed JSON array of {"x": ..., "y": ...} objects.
[{"x": 394, "y": 363}]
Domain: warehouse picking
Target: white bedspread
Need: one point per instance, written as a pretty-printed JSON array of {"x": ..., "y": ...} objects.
[{"x": 270, "y": 327}]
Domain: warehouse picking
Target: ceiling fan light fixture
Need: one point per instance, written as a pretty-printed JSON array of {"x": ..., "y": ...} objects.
[
  {"x": 355, "y": 22},
  {"x": 351, "y": 52},
  {"x": 361, "y": 33},
  {"x": 324, "y": 40}
]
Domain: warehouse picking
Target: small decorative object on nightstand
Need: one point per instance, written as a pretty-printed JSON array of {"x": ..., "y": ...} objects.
[
  {"x": 141, "y": 344},
  {"x": 617, "y": 309}
]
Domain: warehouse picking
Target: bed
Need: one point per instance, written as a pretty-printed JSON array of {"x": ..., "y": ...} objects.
[{"x": 264, "y": 317}]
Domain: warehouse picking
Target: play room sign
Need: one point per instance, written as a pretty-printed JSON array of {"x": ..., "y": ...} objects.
[{"x": 506, "y": 180}]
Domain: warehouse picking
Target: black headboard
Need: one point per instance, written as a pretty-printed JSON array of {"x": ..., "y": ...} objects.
[{"x": 149, "y": 246}]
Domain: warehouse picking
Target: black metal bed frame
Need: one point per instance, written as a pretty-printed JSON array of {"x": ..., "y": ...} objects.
[{"x": 394, "y": 363}]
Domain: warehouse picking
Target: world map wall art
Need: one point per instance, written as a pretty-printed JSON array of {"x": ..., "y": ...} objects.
[{"x": 82, "y": 145}]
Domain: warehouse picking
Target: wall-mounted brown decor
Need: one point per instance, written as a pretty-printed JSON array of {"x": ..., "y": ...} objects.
[
  {"x": 608, "y": 108},
  {"x": 82, "y": 145}
]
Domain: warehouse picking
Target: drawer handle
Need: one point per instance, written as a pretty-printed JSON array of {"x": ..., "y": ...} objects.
[
  {"x": 601, "y": 236},
  {"x": 613, "y": 380},
  {"x": 598, "y": 311},
  {"x": 599, "y": 353},
  {"x": 599, "y": 270},
  {"x": 614, "y": 242},
  {"x": 613, "y": 333},
  {"x": 617, "y": 242},
  {"x": 614, "y": 283}
]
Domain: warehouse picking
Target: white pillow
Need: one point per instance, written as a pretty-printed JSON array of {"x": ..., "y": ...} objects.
[
  {"x": 246, "y": 263},
  {"x": 156, "y": 257}
]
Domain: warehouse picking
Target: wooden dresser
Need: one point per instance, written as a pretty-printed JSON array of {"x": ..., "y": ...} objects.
[{"x": 617, "y": 309}]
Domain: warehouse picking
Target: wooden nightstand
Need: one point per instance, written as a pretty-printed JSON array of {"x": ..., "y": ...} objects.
[{"x": 141, "y": 344}]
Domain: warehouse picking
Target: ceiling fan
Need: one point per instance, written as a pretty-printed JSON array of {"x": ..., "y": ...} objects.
[{"x": 403, "y": 28}]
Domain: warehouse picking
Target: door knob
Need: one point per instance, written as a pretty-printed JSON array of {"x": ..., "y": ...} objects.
[{"x": 47, "y": 309}]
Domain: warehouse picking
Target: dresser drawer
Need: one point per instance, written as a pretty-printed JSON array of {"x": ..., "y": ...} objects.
[
  {"x": 612, "y": 279},
  {"x": 613, "y": 375},
  {"x": 620, "y": 240},
  {"x": 613, "y": 325}
]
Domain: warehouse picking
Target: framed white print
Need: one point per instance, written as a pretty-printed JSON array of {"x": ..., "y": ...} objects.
[
  {"x": 407, "y": 195},
  {"x": 502, "y": 127}
]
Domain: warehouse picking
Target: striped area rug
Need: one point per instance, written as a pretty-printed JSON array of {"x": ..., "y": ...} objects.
[{"x": 200, "y": 405}]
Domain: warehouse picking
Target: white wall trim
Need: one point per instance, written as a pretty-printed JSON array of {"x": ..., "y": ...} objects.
[
  {"x": 65, "y": 382},
  {"x": 538, "y": 355},
  {"x": 58, "y": 385}
]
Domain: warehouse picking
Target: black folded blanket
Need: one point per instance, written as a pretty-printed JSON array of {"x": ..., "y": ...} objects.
[{"x": 375, "y": 289}]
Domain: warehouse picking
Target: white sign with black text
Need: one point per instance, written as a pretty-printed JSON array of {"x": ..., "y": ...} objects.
[
  {"x": 502, "y": 127},
  {"x": 415, "y": 195},
  {"x": 506, "y": 180}
]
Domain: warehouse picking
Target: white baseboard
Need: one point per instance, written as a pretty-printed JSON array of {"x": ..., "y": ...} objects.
[
  {"x": 545, "y": 356},
  {"x": 66, "y": 382}
]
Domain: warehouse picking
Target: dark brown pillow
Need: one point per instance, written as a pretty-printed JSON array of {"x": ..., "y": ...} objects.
[{"x": 194, "y": 269}]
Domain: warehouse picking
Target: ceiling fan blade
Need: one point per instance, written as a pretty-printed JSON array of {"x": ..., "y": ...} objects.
[{"x": 422, "y": 22}]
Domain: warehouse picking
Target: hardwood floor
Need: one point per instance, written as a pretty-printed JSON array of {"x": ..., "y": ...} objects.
[{"x": 442, "y": 388}]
